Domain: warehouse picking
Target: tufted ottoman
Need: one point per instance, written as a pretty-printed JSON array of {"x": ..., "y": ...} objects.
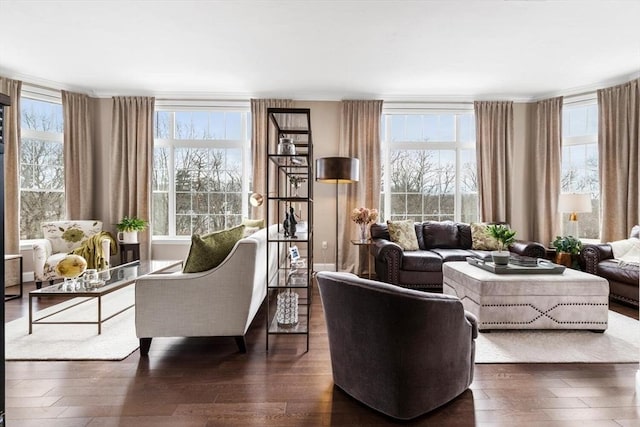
[{"x": 571, "y": 300}]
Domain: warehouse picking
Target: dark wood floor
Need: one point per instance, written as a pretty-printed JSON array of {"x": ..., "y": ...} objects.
[{"x": 206, "y": 382}]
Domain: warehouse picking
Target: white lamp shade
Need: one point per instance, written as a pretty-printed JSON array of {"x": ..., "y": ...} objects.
[{"x": 574, "y": 202}]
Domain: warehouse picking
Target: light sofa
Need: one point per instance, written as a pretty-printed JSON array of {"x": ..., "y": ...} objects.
[{"x": 219, "y": 302}]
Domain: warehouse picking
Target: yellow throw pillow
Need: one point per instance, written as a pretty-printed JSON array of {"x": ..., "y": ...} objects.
[
  {"x": 253, "y": 223},
  {"x": 404, "y": 234},
  {"x": 481, "y": 240}
]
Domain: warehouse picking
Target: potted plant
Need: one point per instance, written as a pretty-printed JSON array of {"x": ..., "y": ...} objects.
[
  {"x": 504, "y": 236},
  {"x": 128, "y": 229},
  {"x": 567, "y": 250}
]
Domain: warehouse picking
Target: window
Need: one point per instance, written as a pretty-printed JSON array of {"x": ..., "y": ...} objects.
[
  {"x": 201, "y": 170},
  {"x": 580, "y": 161},
  {"x": 429, "y": 166},
  {"x": 41, "y": 163}
]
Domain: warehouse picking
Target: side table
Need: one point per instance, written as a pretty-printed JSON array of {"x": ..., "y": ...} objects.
[
  {"x": 125, "y": 248},
  {"x": 19, "y": 295},
  {"x": 359, "y": 244}
]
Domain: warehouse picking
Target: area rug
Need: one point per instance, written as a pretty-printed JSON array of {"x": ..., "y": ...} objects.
[
  {"x": 76, "y": 342},
  {"x": 620, "y": 343}
]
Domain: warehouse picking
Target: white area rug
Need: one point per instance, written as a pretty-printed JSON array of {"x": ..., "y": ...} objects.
[
  {"x": 618, "y": 344},
  {"x": 76, "y": 342}
]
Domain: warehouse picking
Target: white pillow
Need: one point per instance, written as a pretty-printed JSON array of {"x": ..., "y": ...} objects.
[{"x": 626, "y": 250}]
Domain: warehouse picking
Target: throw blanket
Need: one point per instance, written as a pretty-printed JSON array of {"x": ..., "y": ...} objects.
[
  {"x": 626, "y": 250},
  {"x": 91, "y": 250}
]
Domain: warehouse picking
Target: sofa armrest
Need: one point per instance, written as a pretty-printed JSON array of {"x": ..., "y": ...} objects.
[
  {"x": 592, "y": 254},
  {"x": 527, "y": 248},
  {"x": 41, "y": 250},
  {"x": 389, "y": 254}
]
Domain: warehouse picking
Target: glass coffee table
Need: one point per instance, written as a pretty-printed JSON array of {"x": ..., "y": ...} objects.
[{"x": 115, "y": 278}]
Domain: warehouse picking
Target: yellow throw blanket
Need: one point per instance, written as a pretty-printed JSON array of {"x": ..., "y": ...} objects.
[{"x": 91, "y": 250}]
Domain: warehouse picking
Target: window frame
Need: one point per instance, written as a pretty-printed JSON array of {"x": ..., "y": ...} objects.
[
  {"x": 244, "y": 144},
  {"x": 456, "y": 145},
  {"x": 38, "y": 93}
]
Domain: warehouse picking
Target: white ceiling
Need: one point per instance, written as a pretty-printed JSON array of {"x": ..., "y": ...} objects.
[{"x": 322, "y": 49}]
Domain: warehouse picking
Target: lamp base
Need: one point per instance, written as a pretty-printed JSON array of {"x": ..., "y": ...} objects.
[{"x": 572, "y": 229}]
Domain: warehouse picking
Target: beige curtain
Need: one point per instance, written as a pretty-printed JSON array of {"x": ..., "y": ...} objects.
[
  {"x": 494, "y": 152},
  {"x": 359, "y": 138},
  {"x": 132, "y": 162},
  {"x": 11, "y": 125},
  {"x": 619, "y": 155},
  {"x": 544, "y": 164},
  {"x": 78, "y": 156},
  {"x": 259, "y": 133}
]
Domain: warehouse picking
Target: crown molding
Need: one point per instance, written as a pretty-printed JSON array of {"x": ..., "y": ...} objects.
[{"x": 589, "y": 91}]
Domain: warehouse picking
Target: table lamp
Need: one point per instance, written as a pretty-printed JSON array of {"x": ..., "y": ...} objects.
[{"x": 574, "y": 203}]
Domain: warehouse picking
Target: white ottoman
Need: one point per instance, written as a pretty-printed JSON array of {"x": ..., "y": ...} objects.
[{"x": 571, "y": 300}]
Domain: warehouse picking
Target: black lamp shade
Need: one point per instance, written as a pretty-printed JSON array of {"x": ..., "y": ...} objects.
[{"x": 337, "y": 170}]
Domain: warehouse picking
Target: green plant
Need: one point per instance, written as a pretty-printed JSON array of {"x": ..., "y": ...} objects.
[
  {"x": 503, "y": 234},
  {"x": 132, "y": 224},
  {"x": 568, "y": 244}
]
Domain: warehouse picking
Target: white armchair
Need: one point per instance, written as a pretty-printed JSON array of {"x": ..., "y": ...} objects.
[
  {"x": 219, "y": 302},
  {"x": 60, "y": 238}
]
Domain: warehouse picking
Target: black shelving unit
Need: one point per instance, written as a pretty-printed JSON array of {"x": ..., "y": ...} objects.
[
  {"x": 289, "y": 182},
  {"x": 4, "y": 102}
]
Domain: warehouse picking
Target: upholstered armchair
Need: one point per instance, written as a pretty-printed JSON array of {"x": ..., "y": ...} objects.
[
  {"x": 61, "y": 238},
  {"x": 399, "y": 351}
]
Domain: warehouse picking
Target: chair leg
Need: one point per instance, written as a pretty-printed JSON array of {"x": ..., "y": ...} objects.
[
  {"x": 145, "y": 344},
  {"x": 241, "y": 343}
]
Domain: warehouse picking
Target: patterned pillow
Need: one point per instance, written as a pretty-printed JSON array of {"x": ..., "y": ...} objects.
[
  {"x": 481, "y": 239},
  {"x": 404, "y": 234},
  {"x": 210, "y": 250}
]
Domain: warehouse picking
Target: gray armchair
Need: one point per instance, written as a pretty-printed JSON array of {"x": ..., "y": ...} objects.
[{"x": 399, "y": 351}]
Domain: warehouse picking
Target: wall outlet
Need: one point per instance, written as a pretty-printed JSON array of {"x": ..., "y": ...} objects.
[{"x": 325, "y": 245}]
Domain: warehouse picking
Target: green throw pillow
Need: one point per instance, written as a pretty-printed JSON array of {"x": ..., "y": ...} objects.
[
  {"x": 481, "y": 240},
  {"x": 210, "y": 250},
  {"x": 404, "y": 234}
]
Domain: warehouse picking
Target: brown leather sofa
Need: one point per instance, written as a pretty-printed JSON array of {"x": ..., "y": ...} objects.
[
  {"x": 622, "y": 276},
  {"x": 439, "y": 242}
]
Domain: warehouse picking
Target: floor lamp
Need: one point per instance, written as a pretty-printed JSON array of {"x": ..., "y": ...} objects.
[{"x": 337, "y": 170}]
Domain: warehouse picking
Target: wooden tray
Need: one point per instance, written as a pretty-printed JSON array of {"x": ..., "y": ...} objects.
[{"x": 543, "y": 267}]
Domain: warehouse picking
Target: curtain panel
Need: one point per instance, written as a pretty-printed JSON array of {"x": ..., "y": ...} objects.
[
  {"x": 545, "y": 163},
  {"x": 494, "y": 152},
  {"x": 359, "y": 138},
  {"x": 132, "y": 162},
  {"x": 618, "y": 157},
  {"x": 78, "y": 156},
  {"x": 11, "y": 124},
  {"x": 259, "y": 133}
]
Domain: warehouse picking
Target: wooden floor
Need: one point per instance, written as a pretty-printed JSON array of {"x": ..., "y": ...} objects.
[{"x": 206, "y": 382}]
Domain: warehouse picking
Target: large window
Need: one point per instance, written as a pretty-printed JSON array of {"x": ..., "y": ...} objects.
[
  {"x": 580, "y": 162},
  {"x": 201, "y": 170},
  {"x": 41, "y": 164},
  {"x": 429, "y": 166}
]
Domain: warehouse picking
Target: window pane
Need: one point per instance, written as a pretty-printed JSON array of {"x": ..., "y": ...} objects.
[
  {"x": 162, "y": 125},
  {"x": 37, "y": 207},
  {"x": 41, "y": 115}
]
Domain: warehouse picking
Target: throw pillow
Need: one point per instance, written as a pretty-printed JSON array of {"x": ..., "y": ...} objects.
[
  {"x": 480, "y": 238},
  {"x": 253, "y": 222},
  {"x": 404, "y": 234},
  {"x": 210, "y": 250}
]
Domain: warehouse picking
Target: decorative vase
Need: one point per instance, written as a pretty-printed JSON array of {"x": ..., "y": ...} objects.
[
  {"x": 500, "y": 257},
  {"x": 564, "y": 258},
  {"x": 363, "y": 232},
  {"x": 128, "y": 236},
  {"x": 287, "y": 309}
]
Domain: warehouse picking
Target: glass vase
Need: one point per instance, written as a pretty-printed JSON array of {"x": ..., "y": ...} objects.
[{"x": 363, "y": 232}]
